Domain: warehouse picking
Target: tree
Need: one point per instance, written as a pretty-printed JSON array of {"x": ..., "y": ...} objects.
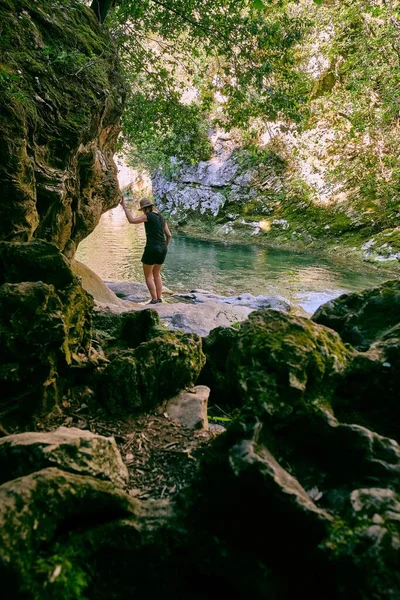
[
  {"x": 101, "y": 8},
  {"x": 236, "y": 58}
]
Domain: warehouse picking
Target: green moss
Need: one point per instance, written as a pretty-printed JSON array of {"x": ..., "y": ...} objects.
[
  {"x": 59, "y": 576},
  {"x": 154, "y": 371},
  {"x": 284, "y": 364}
]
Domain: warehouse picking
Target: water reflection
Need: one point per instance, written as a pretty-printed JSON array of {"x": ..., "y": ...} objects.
[{"x": 115, "y": 248}]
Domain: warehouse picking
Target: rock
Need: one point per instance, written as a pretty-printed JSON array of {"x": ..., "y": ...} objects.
[
  {"x": 248, "y": 501},
  {"x": 383, "y": 247},
  {"x": 34, "y": 261},
  {"x": 37, "y": 508},
  {"x": 203, "y": 296},
  {"x": 368, "y": 393},
  {"x": 200, "y": 318},
  {"x": 366, "y": 546},
  {"x": 215, "y": 311},
  {"x": 68, "y": 449},
  {"x": 217, "y": 347},
  {"x": 153, "y": 372},
  {"x": 361, "y": 318},
  {"x": 118, "y": 385},
  {"x": 139, "y": 327},
  {"x": 41, "y": 331},
  {"x": 132, "y": 291},
  {"x": 57, "y": 172},
  {"x": 189, "y": 407},
  {"x": 286, "y": 364},
  {"x": 127, "y": 329},
  {"x": 95, "y": 286}
]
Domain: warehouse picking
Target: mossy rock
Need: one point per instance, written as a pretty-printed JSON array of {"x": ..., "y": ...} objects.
[
  {"x": 67, "y": 448},
  {"x": 155, "y": 371},
  {"x": 218, "y": 347},
  {"x": 118, "y": 385},
  {"x": 364, "y": 547},
  {"x": 34, "y": 261},
  {"x": 168, "y": 364},
  {"x": 369, "y": 392},
  {"x": 53, "y": 501},
  {"x": 115, "y": 332},
  {"x": 61, "y": 96},
  {"x": 41, "y": 333},
  {"x": 362, "y": 317},
  {"x": 286, "y": 364}
]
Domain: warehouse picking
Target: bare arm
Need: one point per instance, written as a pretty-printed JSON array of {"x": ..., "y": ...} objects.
[
  {"x": 167, "y": 233},
  {"x": 133, "y": 220}
]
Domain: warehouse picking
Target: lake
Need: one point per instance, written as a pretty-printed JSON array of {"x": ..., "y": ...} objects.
[{"x": 114, "y": 250}]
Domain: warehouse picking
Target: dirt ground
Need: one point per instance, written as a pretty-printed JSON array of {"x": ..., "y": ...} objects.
[{"x": 162, "y": 457}]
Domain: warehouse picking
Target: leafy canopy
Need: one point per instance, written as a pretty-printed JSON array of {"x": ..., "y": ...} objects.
[{"x": 229, "y": 61}]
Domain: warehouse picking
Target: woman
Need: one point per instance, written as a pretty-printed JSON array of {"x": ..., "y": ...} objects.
[{"x": 158, "y": 237}]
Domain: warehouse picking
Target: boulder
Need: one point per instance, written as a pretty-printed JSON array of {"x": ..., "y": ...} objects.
[
  {"x": 34, "y": 261},
  {"x": 189, "y": 407},
  {"x": 218, "y": 347},
  {"x": 201, "y": 318},
  {"x": 118, "y": 385},
  {"x": 42, "y": 329},
  {"x": 256, "y": 507},
  {"x": 95, "y": 286},
  {"x": 365, "y": 546},
  {"x": 369, "y": 392},
  {"x": 246, "y": 299},
  {"x": 287, "y": 365},
  {"x": 125, "y": 330},
  {"x": 167, "y": 364},
  {"x": 153, "y": 372},
  {"x": 362, "y": 317},
  {"x": 36, "y": 509},
  {"x": 69, "y": 449}
]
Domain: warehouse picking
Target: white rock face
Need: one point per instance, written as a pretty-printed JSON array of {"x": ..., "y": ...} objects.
[{"x": 200, "y": 188}]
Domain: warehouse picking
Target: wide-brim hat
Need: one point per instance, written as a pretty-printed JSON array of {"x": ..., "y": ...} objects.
[{"x": 145, "y": 203}]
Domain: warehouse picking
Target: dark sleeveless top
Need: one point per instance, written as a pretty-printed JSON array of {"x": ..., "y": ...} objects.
[{"x": 154, "y": 227}]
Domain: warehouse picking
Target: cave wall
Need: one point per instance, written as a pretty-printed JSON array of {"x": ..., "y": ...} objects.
[{"x": 61, "y": 96}]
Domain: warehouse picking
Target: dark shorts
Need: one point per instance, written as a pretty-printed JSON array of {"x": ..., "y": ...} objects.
[{"x": 154, "y": 255}]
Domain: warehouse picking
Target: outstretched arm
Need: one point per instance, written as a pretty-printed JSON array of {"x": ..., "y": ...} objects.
[
  {"x": 133, "y": 220},
  {"x": 167, "y": 233}
]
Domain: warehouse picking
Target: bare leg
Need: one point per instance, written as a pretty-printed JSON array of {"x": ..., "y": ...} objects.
[
  {"x": 148, "y": 275},
  {"x": 158, "y": 280}
]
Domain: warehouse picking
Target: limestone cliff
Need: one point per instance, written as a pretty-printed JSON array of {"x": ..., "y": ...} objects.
[{"x": 61, "y": 96}]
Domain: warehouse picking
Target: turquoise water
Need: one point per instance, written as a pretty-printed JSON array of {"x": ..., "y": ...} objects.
[{"x": 114, "y": 250}]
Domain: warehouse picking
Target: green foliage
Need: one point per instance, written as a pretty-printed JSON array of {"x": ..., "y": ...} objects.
[
  {"x": 190, "y": 63},
  {"x": 252, "y": 156},
  {"x": 363, "y": 106},
  {"x": 59, "y": 576}
]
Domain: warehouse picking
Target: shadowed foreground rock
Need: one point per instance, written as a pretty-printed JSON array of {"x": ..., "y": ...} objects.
[
  {"x": 71, "y": 449},
  {"x": 45, "y": 323},
  {"x": 153, "y": 372},
  {"x": 298, "y": 498}
]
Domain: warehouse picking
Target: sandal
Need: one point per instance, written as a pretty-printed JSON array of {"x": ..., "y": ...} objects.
[{"x": 153, "y": 302}]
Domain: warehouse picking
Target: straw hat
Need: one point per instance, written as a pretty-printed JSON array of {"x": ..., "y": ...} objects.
[{"x": 145, "y": 203}]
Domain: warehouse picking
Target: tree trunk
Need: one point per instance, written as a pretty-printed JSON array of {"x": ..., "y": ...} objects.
[{"x": 101, "y": 8}]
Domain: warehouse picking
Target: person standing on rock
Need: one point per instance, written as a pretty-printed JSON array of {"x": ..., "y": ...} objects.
[{"x": 158, "y": 237}]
